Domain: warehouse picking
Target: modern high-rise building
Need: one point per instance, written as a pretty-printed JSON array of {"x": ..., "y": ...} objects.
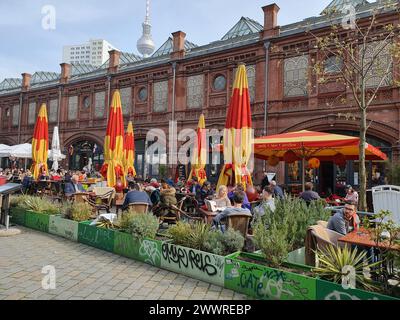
[{"x": 94, "y": 52}]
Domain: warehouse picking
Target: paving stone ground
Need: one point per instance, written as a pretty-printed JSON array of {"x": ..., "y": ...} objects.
[{"x": 86, "y": 273}]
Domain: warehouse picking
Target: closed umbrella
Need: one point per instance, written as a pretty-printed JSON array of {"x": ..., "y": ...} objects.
[
  {"x": 55, "y": 149},
  {"x": 129, "y": 150},
  {"x": 199, "y": 158},
  {"x": 238, "y": 134},
  {"x": 40, "y": 143},
  {"x": 113, "y": 168}
]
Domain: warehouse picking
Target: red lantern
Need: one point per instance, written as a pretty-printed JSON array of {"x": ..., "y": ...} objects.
[
  {"x": 314, "y": 163},
  {"x": 290, "y": 157},
  {"x": 273, "y": 161},
  {"x": 340, "y": 160}
]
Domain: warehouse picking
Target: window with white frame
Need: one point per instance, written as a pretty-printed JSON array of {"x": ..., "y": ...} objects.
[
  {"x": 31, "y": 113},
  {"x": 15, "y": 119},
  {"x": 100, "y": 104},
  {"x": 296, "y": 76},
  {"x": 53, "y": 108}
]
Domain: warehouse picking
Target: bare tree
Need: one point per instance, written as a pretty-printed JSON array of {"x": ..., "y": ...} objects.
[{"x": 359, "y": 55}]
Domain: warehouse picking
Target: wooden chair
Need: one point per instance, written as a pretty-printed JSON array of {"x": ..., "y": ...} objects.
[
  {"x": 139, "y": 207},
  {"x": 239, "y": 222}
]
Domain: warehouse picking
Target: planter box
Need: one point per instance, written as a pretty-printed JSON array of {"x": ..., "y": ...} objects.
[
  {"x": 262, "y": 282},
  {"x": 193, "y": 263},
  {"x": 96, "y": 237},
  {"x": 65, "y": 228},
  {"x": 147, "y": 250},
  {"x": 37, "y": 221},
  {"x": 17, "y": 215},
  {"x": 331, "y": 291}
]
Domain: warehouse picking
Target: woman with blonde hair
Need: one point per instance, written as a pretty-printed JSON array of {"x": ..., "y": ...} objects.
[{"x": 222, "y": 199}]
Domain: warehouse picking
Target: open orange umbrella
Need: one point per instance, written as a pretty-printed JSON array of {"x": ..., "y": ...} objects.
[
  {"x": 129, "y": 150},
  {"x": 304, "y": 145},
  {"x": 200, "y": 153},
  {"x": 40, "y": 143},
  {"x": 238, "y": 134},
  {"x": 113, "y": 168}
]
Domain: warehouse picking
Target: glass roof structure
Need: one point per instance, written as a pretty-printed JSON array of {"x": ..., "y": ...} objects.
[
  {"x": 244, "y": 27},
  {"x": 338, "y": 5},
  {"x": 10, "y": 83},
  {"x": 167, "y": 47},
  {"x": 40, "y": 76}
]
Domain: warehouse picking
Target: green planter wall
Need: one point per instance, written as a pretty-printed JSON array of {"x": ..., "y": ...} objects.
[
  {"x": 261, "y": 282},
  {"x": 96, "y": 237},
  {"x": 193, "y": 263},
  {"x": 18, "y": 215},
  {"x": 331, "y": 291},
  {"x": 65, "y": 228},
  {"x": 147, "y": 250},
  {"x": 37, "y": 221}
]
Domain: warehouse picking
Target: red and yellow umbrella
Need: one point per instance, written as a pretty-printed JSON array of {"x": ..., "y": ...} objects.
[
  {"x": 129, "y": 150},
  {"x": 200, "y": 153},
  {"x": 113, "y": 168},
  {"x": 238, "y": 134},
  {"x": 40, "y": 143}
]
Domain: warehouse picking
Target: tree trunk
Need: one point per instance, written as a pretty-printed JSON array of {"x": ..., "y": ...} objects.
[{"x": 362, "y": 169}]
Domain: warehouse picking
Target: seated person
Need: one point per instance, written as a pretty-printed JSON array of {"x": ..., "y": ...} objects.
[
  {"x": 167, "y": 194},
  {"x": 154, "y": 194},
  {"x": 246, "y": 203},
  {"x": 252, "y": 194},
  {"x": 44, "y": 175},
  {"x": 205, "y": 192},
  {"x": 73, "y": 186},
  {"x": 55, "y": 176},
  {"x": 27, "y": 182},
  {"x": 278, "y": 192},
  {"x": 238, "y": 198},
  {"x": 351, "y": 194},
  {"x": 345, "y": 220},
  {"x": 268, "y": 202},
  {"x": 135, "y": 195},
  {"x": 194, "y": 185},
  {"x": 222, "y": 199},
  {"x": 309, "y": 195},
  {"x": 130, "y": 178}
]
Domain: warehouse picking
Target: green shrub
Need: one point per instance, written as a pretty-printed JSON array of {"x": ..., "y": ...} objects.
[
  {"x": 180, "y": 233},
  {"x": 273, "y": 241},
  {"x": 224, "y": 243},
  {"x": 79, "y": 212},
  {"x": 143, "y": 225},
  {"x": 190, "y": 235},
  {"x": 19, "y": 200},
  {"x": 39, "y": 205},
  {"x": 284, "y": 230}
]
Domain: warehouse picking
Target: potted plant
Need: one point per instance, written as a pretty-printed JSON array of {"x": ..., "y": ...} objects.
[
  {"x": 137, "y": 237},
  {"x": 37, "y": 212},
  {"x": 66, "y": 224},
  {"x": 193, "y": 251}
]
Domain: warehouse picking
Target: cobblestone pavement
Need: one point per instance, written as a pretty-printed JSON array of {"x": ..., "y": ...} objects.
[{"x": 83, "y": 272}]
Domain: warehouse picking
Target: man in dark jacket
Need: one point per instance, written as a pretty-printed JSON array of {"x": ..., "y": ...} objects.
[
  {"x": 135, "y": 195},
  {"x": 73, "y": 187}
]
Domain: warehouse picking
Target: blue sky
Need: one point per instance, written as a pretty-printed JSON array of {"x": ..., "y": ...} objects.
[{"x": 27, "y": 47}]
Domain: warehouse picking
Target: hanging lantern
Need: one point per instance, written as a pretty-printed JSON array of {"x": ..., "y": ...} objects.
[
  {"x": 314, "y": 163},
  {"x": 273, "y": 161},
  {"x": 290, "y": 157},
  {"x": 340, "y": 160}
]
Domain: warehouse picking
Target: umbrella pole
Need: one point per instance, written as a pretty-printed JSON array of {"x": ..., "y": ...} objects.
[
  {"x": 303, "y": 175},
  {"x": 25, "y": 163}
]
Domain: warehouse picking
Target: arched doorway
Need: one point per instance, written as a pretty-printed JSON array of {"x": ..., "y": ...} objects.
[{"x": 80, "y": 152}]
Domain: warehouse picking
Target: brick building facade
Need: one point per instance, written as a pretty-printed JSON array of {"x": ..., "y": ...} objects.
[{"x": 182, "y": 80}]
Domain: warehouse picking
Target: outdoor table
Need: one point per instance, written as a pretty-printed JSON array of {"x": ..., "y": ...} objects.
[
  {"x": 363, "y": 238},
  {"x": 208, "y": 215}
]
